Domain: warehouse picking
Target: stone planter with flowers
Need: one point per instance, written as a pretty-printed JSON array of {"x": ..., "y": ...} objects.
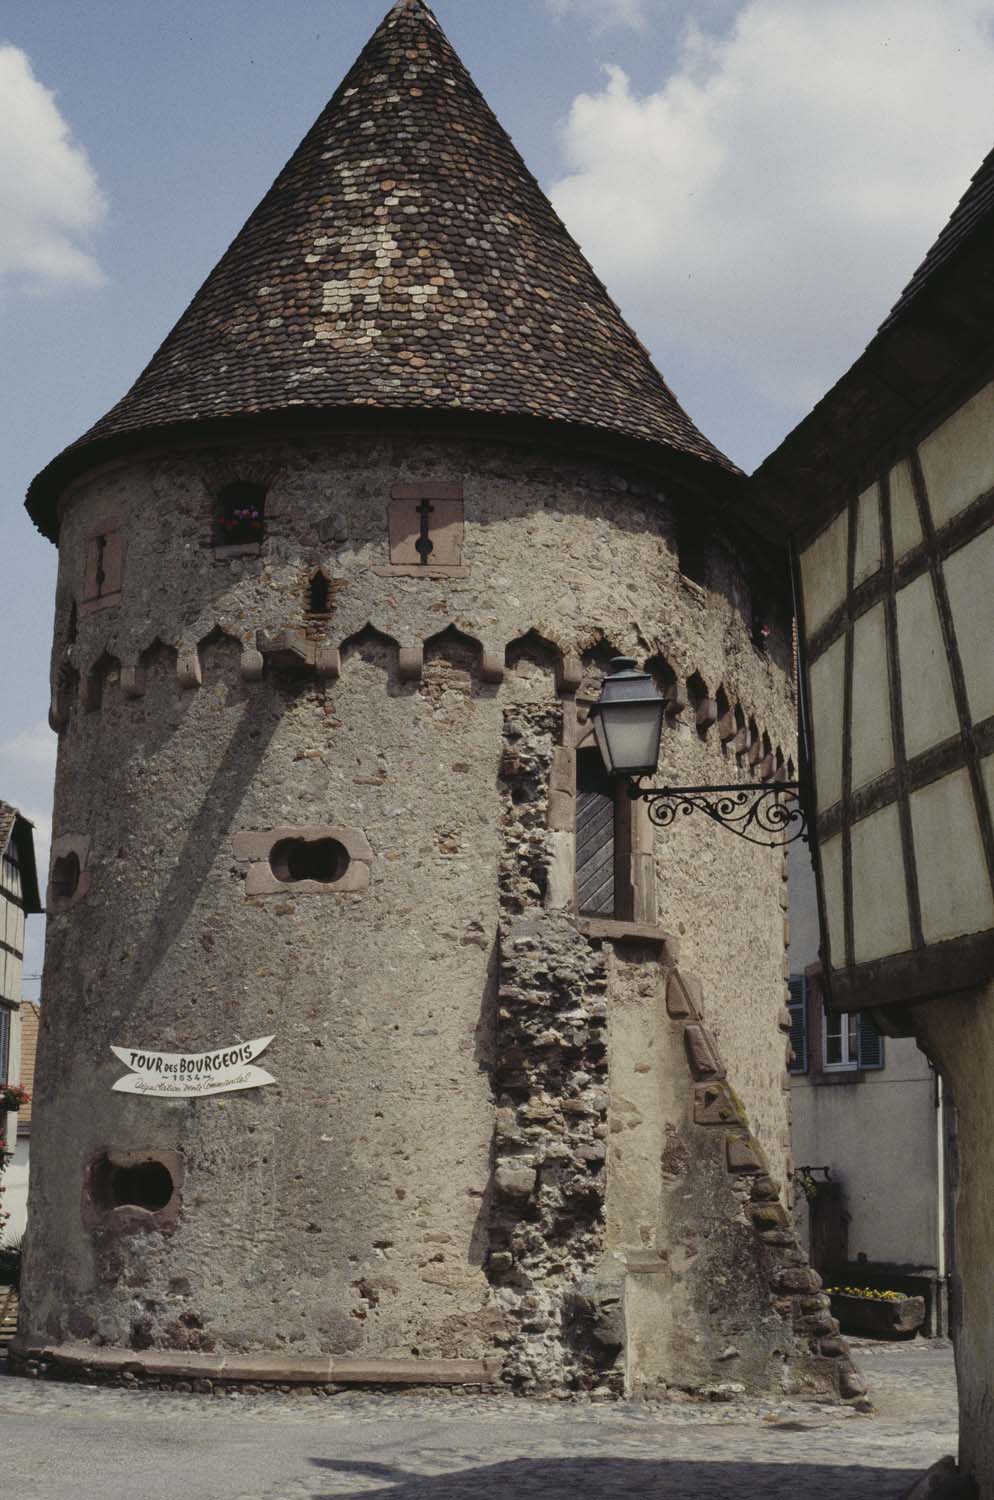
[{"x": 864, "y": 1309}]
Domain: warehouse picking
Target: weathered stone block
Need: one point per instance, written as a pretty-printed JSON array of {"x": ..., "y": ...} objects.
[
  {"x": 680, "y": 997},
  {"x": 516, "y": 1182},
  {"x": 743, "y": 1155},
  {"x": 799, "y": 1279},
  {"x": 713, "y": 1105},
  {"x": 851, "y": 1382}
]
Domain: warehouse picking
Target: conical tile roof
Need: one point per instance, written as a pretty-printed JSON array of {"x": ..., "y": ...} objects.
[{"x": 404, "y": 258}]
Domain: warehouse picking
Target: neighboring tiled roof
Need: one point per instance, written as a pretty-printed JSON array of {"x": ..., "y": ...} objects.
[
  {"x": 14, "y": 825},
  {"x": 30, "y": 1016},
  {"x": 975, "y": 204},
  {"x": 405, "y": 258},
  {"x": 8, "y": 817}
]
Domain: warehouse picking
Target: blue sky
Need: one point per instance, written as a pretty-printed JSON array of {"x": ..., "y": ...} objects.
[{"x": 754, "y": 179}]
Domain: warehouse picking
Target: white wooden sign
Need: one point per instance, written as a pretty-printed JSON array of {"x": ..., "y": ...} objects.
[{"x": 192, "y": 1075}]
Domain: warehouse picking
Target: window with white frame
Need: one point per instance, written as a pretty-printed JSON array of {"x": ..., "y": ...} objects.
[{"x": 850, "y": 1041}]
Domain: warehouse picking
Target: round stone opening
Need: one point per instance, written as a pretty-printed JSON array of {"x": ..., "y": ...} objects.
[
  {"x": 145, "y": 1184},
  {"x": 149, "y": 1185},
  {"x": 323, "y": 860}
]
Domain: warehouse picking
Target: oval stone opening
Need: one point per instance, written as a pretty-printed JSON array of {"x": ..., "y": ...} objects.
[{"x": 323, "y": 860}]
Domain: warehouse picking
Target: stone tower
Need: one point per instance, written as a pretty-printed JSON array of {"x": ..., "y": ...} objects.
[{"x": 338, "y": 580}]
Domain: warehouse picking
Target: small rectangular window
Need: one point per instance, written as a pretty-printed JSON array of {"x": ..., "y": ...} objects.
[
  {"x": 103, "y": 569},
  {"x": 595, "y": 851},
  {"x": 851, "y": 1042},
  {"x": 240, "y": 516},
  {"x": 426, "y": 527},
  {"x": 604, "y": 812}
]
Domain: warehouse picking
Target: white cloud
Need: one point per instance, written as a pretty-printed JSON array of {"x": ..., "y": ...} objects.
[
  {"x": 50, "y": 200},
  {"x": 764, "y": 208},
  {"x": 35, "y": 747},
  {"x": 604, "y": 14}
]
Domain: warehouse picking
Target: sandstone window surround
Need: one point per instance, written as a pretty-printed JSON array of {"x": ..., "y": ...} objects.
[
  {"x": 313, "y": 860},
  {"x": 69, "y": 877},
  {"x": 103, "y": 568},
  {"x": 586, "y": 822},
  {"x": 426, "y": 531}
]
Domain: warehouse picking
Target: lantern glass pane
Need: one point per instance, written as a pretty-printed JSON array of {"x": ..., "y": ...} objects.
[{"x": 628, "y": 734}]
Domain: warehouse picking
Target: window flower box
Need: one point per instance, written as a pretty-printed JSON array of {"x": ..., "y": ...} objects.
[{"x": 12, "y": 1096}]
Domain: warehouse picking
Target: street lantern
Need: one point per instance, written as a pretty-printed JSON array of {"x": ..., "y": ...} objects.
[{"x": 628, "y": 720}]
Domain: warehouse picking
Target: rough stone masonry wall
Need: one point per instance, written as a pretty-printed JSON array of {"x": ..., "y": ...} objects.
[
  {"x": 551, "y": 1079},
  {"x": 639, "y": 1241},
  {"x": 350, "y": 1208}
]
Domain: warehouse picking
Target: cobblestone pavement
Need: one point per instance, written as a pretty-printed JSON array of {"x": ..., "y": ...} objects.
[{"x": 61, "y": 1440}]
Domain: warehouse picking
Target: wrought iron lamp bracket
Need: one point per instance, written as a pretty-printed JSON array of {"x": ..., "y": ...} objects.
[{"x": 746, "y": 809}]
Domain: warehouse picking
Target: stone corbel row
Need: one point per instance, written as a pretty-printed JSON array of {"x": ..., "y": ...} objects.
[{"x": 296, "y": 651}]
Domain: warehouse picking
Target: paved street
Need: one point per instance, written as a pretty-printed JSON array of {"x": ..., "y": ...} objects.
[{"x": 58, "y": 1440}]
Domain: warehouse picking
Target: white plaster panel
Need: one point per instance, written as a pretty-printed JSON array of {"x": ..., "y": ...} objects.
[
  {"x": 926, "y": 688},
  {"x": 872, "y": 740},
  {"x": 952, "y": 873},
  {"x": 827, "y": 683},
  {"x": 831, "y": 875},
  {"x": 958, "y": 457},
  {"x": 905, "y": 523},
  {"x": 970, "y": 582},
  {"x": 869, "y": 555},
  {"x": 987, "y": 771},
  {"x": 823, "y": 572},
  {"x": 881, "y": 924}
]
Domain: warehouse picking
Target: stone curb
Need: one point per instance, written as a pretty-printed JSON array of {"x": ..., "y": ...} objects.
[{"x": 320, "y": 1369}]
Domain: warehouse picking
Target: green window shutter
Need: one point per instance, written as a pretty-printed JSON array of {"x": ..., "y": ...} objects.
[
  {"x": 871, "y": 1044},
  {"x": 798, "y": 1007},
  {"x": 594, "y": 836}
]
